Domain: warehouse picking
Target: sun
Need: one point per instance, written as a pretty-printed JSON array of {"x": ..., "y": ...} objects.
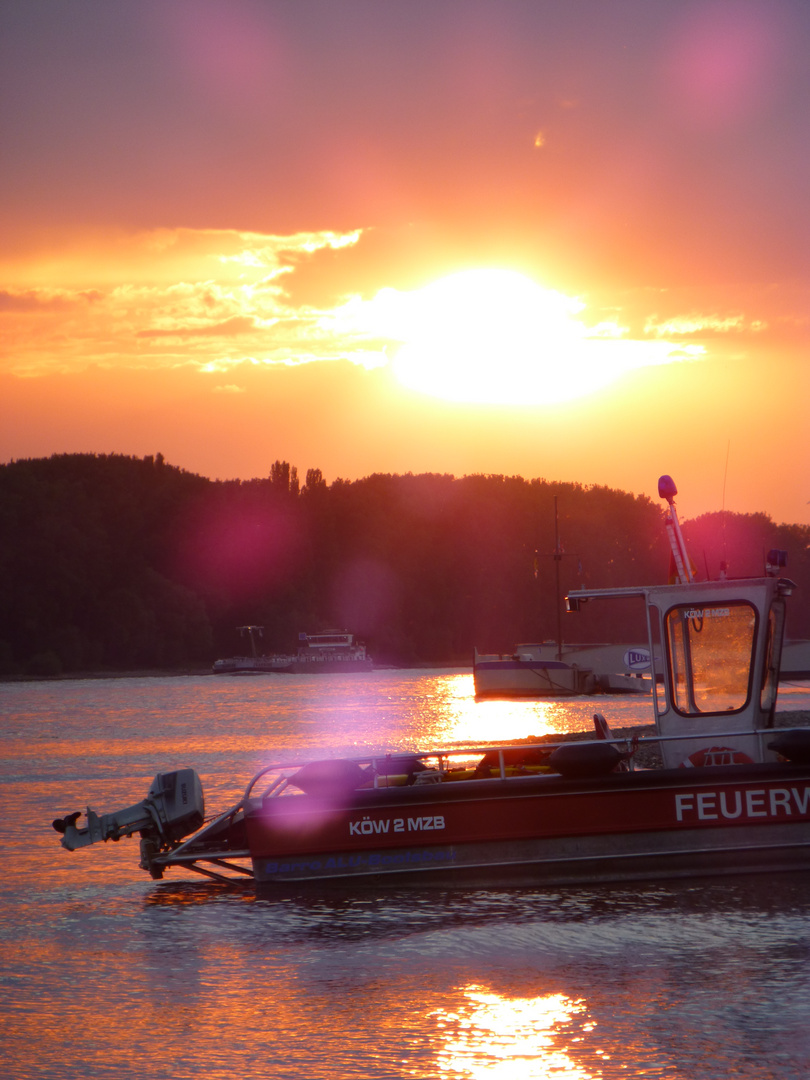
[
  {"x": 487, "y": 335},
  {"x": 494, "y": 336}
]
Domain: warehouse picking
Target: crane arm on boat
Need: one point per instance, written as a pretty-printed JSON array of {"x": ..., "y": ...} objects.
[
  {"x": 173, "y": 808},
  {"x": 680, "y": 558}
]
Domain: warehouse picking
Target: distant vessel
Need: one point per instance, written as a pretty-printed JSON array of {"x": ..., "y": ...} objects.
[
  {"x": 330, "y": 652},
  {"x": 255, "y": 664}
]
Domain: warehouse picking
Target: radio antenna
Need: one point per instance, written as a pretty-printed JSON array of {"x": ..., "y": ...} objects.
[{"x": 724, "y": 560}]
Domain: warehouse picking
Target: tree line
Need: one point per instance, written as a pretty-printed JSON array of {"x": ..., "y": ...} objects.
[{"x": 115, "y": 563}]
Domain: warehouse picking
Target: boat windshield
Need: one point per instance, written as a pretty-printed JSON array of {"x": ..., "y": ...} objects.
[{"x": 710, "y": 651}]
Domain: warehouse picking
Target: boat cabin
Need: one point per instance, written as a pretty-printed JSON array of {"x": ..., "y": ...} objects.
[
  {"x": 327, "y": 639},
  {"x": 716, "y": 648}
]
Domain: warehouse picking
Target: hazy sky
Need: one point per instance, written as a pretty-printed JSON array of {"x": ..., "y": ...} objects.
[{"x": 559, "y": 239}]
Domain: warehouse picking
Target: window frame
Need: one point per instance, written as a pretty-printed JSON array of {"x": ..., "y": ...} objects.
[{"x": 683, "y": 700}]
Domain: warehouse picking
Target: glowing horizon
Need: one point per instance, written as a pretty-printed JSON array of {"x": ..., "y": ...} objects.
[{"x": 495, "y": 337}]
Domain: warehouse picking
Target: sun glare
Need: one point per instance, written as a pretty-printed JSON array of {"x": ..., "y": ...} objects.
[
  {"x": 491, "y": 1035},
  {"x": 497, "y": 337}
]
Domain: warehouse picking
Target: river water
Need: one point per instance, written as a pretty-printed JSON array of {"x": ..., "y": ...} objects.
[{"x": 106, "y": 973}]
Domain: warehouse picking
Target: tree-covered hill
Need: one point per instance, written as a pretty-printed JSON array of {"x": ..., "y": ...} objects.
[{"x": 116, "y": 563}]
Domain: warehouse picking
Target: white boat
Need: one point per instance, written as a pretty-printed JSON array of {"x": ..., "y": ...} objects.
[
  {"x": 710, "y": 787},
  {"x": 548, "y": 670},
  {"x": 795, "y": 661}
]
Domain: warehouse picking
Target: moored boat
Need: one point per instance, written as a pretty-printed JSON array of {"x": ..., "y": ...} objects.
[
  {"x": 795, "y": 661},
  {"x": 549, "y": 670},
  {"x": 552, "y": 669},
  {"x": 729, "y": 792}
]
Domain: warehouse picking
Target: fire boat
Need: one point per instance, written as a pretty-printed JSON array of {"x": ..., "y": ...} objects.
[{"x": 713, "y": 788}]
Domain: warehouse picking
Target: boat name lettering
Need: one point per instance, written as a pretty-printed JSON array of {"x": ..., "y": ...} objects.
[
  {"x": 403, "y": 858},
  {"x": 299, "y": 867},
  {"x": 749, "y": 804},
  {"x": 370, "y": 826},
  {"x": 707, "y": 613},
  {"x": 425, "y": 823},
  {"x": 637, "y": 658}
]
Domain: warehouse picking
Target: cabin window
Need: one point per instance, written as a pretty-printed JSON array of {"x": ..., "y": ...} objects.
[
  {"x": 773, "y": 655},
  {"x": 710, "y": 651}
]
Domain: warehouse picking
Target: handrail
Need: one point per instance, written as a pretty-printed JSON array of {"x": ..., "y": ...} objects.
[
  {"x": 442, "y": 752},
  {"x": 445, "y": 753}
]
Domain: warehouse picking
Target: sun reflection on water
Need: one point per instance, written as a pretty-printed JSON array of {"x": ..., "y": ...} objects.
[
  {"x": 464, "y": 719},
  {"x": 491, "y": 1035}
]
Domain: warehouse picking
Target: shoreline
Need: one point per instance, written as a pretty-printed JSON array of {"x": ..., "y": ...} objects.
[{"x": 184, "y": 673}]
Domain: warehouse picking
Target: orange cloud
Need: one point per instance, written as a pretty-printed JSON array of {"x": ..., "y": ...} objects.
[
  {"x": 163, "y": 298},
  {"x": 36, "y": 300},
  {"x": 238, "y": 324}
]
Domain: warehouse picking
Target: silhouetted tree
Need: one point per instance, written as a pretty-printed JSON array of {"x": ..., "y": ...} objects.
[{"x": 112, "y": 562}]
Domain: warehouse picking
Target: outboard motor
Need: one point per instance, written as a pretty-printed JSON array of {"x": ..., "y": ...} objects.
[{"x": 173, "y": 808}]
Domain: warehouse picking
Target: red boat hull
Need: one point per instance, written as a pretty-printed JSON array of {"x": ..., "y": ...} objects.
[{"x": 623, "y": 826}]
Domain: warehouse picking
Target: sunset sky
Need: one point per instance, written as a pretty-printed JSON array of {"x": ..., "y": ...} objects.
[{"x": 567, "y": 240}]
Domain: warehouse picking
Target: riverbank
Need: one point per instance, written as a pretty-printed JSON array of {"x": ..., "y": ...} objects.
[{"x": 197, "y": 672}]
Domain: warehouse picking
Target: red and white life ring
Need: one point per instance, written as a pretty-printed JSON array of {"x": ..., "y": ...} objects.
[{"x": 716, "y": 755}]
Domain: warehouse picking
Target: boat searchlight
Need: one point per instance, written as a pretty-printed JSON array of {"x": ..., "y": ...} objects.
[{"x": 667, "y": 489}]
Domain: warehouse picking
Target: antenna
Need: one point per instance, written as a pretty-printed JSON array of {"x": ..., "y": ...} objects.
[
  {"x": 558, "y": 554},
  {"x": 724, "y": 561},
  {"x": 557, "y": 559}
]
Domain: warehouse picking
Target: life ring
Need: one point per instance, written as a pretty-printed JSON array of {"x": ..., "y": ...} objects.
[{"x": 716, "y": 755}]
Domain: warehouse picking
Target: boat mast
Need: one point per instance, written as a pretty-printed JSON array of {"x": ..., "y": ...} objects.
[
  {"x": 557, "y": 561},
  {"x": 251, "y": 631}
]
